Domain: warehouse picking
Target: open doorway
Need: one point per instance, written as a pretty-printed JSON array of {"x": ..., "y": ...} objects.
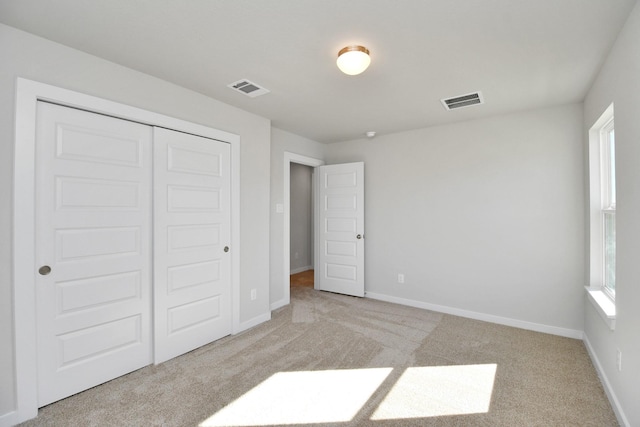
[
  {"x": 301, "y": 240},
  {"x": 289, "y": 160}
]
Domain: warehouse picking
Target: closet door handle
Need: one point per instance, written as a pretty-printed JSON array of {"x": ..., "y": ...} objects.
[
  {"x": 226, "y": 248},
  {"x": 44, "y": 270}
]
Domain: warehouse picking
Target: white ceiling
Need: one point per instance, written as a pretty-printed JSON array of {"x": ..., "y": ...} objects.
[{"x": 520, "y": 54}]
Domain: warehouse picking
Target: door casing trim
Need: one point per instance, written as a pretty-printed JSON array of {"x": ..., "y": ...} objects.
[{"x": 288, "y": 159}]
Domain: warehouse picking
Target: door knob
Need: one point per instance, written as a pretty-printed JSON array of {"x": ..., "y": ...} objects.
[
  {"x": 226, "y": 248},
  {"x": 44, "y": 270},
  {"x": 359, "y": 236}
]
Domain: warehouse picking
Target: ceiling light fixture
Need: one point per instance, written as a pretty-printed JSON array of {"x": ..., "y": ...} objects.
[{"x": 353, "y": 60}]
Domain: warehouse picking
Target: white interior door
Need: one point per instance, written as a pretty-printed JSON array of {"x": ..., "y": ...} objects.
[
  {"x": 93, "y": 212},
  {"x": 341, "y": 228},
  {"x": 191, "y": 248}
]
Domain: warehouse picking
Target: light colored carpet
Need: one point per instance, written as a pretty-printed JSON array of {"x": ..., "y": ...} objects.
[{"x": 333, "y": 360}]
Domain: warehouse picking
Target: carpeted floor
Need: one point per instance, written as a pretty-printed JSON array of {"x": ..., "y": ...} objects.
[{"x": 333, "y": 360}]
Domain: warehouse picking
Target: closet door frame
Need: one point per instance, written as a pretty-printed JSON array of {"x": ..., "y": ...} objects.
[{"x": 28, "y": 94}]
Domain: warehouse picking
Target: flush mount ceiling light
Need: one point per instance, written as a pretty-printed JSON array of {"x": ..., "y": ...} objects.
[{"x": 353, "y": 60}]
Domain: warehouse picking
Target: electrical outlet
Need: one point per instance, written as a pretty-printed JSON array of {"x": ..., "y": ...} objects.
[
  {"x": 400, "y": 278},
  {"x": 254, "y": 294},
  {"x": 619, "y": 359}
]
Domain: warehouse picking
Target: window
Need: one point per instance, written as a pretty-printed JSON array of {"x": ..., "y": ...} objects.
[
  {"x": 608, "y": 178},
  {"x": 602, "y": 180}
]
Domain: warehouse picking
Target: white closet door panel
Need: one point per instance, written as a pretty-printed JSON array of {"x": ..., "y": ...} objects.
[
  {"x": 192, "y": 287},
  {"x": 93, "y": 231}
]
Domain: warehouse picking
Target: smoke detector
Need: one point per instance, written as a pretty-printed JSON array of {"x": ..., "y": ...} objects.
[
  {"x": 463, "y": 101},
  {"x": 248, "y": 88}
]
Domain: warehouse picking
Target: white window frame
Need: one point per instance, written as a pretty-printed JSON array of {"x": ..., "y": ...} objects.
[
  {"x": 608, "y": 197},
  {"x": 601, "y": 200}
]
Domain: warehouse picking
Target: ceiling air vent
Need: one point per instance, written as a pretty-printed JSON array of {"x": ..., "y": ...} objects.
[
  {"x": 248, "y": 88},
  {"x": 463, "y": 101}
]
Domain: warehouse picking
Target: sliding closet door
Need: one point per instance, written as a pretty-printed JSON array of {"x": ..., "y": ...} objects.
[
  {"x": 132, "y": 224},
  {"x": 93, "y": 250},
  {"x": 192, "y": 286}
]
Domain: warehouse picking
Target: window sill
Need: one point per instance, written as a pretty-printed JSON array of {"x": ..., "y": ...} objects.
[{"x": 605, "y": 307}]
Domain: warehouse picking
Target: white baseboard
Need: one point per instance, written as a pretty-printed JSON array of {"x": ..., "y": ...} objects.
[
  {"x": 613, "y": 399},
  {"x": 301, "y": 269},
  {"x": 554, "y": 330},
  {"x": 281, "y": 303},
  {"x": 253, "y": 322},
  {"x": 9, "y": 419}
]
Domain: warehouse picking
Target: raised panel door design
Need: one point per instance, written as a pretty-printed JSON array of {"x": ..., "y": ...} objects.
[
  {"x": 181, "y": 277},
  {"x": 99, "y": 340},
  {"x": 193, "y": 160},
  {"x": 349, "y": 249},
  {"x": 341, "y": 180},
  {"x": 98, "y": 144},
  {"x": 93, "y": 231},
  {"x": 194, "y": 314},
  {"x": 192, "y": 296},
  {"x": 341, "y": 231},
  {"x": 192, "y": 237},
  {"x": 82, "y": 243},
  {"x": 341, "y": 272},
  {"x": 338, "y": 202},
  {"x": 338, "y": 225},
  {"x": 189, "y": 199},
  {"x": 91, "y": 292},
  {"x": 77, "y": 193}
]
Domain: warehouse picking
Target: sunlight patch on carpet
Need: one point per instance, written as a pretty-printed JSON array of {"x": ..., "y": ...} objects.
[
  {"x": 434, "y": 391},
  {"x": 305, "y": 397}
]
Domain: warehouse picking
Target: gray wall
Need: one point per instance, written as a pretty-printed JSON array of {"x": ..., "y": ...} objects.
[
  {"x": 281, "y": 142},
  {"x": 483, "y": 216},
  {"x": 301, "y": 218},
  {"x": 619, "y": 82},
  {"x": 24, "y": 55}
]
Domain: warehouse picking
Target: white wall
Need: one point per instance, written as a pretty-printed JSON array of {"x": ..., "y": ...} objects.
[
  {"x": 301, "y": 225},
  {"x": 619, "y": 82},
  {"x": 281, "y": 142},
  {"x": 482, "y": 217},
  {"x": 24, "y": 55}
]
